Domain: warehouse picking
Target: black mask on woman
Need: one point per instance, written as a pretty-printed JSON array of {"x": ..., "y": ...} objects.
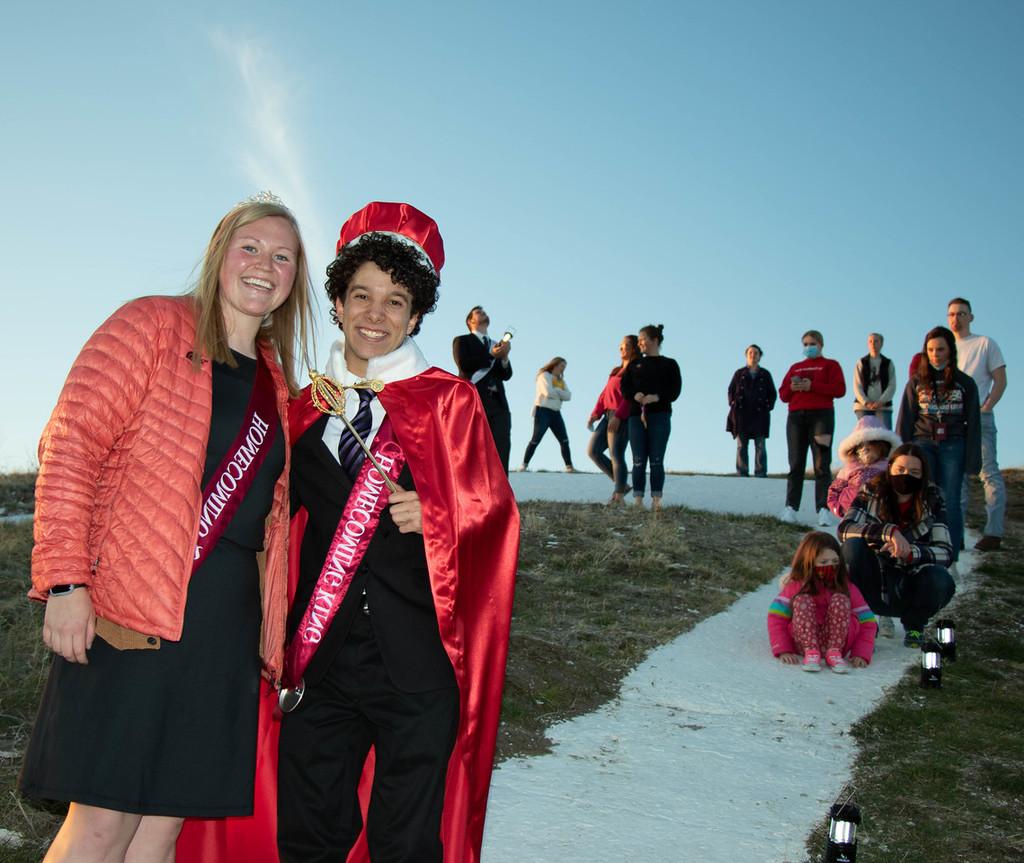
[{"x": 905, "y": 483}]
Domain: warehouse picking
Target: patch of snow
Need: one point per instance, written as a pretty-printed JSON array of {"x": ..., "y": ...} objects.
[
  {"x": 16, "y": 518},
  {"x": 10, "y": 839}
]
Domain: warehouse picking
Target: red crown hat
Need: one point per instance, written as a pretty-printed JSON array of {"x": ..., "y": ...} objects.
[{"x": 403, "y": 221}]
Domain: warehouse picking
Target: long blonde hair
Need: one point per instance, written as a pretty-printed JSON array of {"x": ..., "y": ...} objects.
[
  {"x": 550, "y": 366},
  {"x": 286, "y": 328}
]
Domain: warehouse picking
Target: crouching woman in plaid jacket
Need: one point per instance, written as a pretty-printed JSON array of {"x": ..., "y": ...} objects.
[{"x": 896, "y": 544}]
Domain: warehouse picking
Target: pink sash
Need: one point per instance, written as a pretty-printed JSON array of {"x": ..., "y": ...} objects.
[
  {"x": 358, "y": 523},
  {"x": 234, "y": 475}
]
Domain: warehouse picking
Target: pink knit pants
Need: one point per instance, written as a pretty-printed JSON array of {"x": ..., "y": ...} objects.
[{"x": 808, "y": 635}]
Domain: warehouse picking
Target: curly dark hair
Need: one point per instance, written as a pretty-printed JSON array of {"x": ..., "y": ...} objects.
[{"x": 396, "y": 259}]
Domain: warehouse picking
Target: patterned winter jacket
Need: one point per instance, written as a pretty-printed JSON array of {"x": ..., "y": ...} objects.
[
  {"x": 928, "y": 538},
  {"x": 120, "y": 472}
]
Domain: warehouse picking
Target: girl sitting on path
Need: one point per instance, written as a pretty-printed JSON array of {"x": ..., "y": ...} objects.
[{"x": 819, "y": 608}]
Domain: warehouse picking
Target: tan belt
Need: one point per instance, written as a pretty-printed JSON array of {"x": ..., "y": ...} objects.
[{"x": 122, "y": 638}]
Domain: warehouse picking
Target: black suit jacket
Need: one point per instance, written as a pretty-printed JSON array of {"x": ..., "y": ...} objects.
[
  {"x": 471, "y": 356},
  {"x": 393, "y": 573}
]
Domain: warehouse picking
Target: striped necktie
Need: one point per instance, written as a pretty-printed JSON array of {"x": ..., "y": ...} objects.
[{"x": 350, "y": 453}]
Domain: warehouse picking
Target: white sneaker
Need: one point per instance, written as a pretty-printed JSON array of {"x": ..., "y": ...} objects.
[
  {"x": 824, "y": 518},
  {"x": 886, "y": 628},
  {"x": 788, "y": 515}
]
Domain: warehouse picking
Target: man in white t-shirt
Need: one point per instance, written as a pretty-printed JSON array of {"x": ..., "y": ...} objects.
[{"x": 980, "y": 357}]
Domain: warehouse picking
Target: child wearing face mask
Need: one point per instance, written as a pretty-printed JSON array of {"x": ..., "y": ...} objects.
[
  {"x": 865, "y": 454},
  {"x": 818, "y": 612}
]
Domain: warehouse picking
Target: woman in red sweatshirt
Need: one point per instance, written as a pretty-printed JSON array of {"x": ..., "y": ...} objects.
[{"x": 809, "y": 388}]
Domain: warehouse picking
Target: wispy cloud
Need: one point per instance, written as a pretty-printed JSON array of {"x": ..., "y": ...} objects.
[{"x": 269, "y": 154}]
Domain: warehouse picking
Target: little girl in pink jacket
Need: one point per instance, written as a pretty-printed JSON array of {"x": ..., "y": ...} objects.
[
  {"x": 865, "y": 454},
  {"x": 819, "y": 612}
]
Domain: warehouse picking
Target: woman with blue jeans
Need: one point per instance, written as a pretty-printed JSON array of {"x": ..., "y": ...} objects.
[
  {"x": 650, "y": 385},
  {"x": 941, "y": 414},
  {"x": 611, "y": 432},
  {"x": 547, "y": 411}
]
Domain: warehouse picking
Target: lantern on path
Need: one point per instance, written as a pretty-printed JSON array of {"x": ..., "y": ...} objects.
[
  {"x": 931, "y": 666},
  {"x": 842, "y": 833},
  {"x": 945, "y": 634}
]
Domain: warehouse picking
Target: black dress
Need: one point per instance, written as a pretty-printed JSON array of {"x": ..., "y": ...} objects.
[{"x": 171, "y": 731}]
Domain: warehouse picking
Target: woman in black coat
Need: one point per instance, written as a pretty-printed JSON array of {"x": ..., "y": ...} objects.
[{"x": 751, "y": 399}]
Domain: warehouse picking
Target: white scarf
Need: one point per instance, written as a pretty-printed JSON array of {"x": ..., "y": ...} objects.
[{"x": 403, "y": 362}]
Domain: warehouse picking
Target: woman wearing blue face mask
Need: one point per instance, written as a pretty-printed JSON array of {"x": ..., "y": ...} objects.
[
  {"x": 809, "y": 388},
  {"x": 941, "y": 414}
]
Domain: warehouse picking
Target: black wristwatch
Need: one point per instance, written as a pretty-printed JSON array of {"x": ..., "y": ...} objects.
[{"x": 64, "y": 589}]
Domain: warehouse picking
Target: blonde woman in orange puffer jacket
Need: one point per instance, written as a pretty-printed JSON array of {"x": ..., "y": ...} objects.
[{"x": 161, "y": 547}]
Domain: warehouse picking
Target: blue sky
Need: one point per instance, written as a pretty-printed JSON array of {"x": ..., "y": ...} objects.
[{"x": 739, "y": 171}]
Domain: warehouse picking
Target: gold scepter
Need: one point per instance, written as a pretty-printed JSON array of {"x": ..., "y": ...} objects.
[{"x": 329, "y": 398}]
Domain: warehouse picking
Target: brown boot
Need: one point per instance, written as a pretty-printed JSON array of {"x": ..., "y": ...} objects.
[{"x": 989, "y": 543}]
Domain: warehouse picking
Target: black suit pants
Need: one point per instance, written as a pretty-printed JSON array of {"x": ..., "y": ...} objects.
[
  {"x": 500, "y": 421},
  {"x": 324, "y": 743}
]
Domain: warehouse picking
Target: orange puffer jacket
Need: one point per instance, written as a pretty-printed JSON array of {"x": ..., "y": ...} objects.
[{"x": 120, "y": 472}]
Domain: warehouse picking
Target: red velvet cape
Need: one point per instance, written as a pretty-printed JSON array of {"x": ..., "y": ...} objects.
[{"x": 471, "y": 535}]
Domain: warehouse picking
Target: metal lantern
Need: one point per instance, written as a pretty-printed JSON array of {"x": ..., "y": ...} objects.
[
  {"x": 931, "y": 665},
  {"x": 842, "y": 833},
  {"x": 945, "y": 634}
]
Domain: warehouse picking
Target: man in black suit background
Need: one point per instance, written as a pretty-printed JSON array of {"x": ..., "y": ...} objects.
[{"x": 485, "y": 363}]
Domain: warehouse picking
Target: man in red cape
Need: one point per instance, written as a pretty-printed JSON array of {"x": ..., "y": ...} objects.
[{"x": 463, "y": 507}]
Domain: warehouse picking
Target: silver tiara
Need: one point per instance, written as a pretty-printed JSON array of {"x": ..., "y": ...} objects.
[{"x": 264, "y": 197}]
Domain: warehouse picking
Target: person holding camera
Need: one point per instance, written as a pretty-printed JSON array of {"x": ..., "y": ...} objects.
[{"x": 484, "y": 362}]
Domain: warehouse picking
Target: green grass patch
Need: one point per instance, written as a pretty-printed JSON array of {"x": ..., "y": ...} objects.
[{"x": 17, "y": 492}]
